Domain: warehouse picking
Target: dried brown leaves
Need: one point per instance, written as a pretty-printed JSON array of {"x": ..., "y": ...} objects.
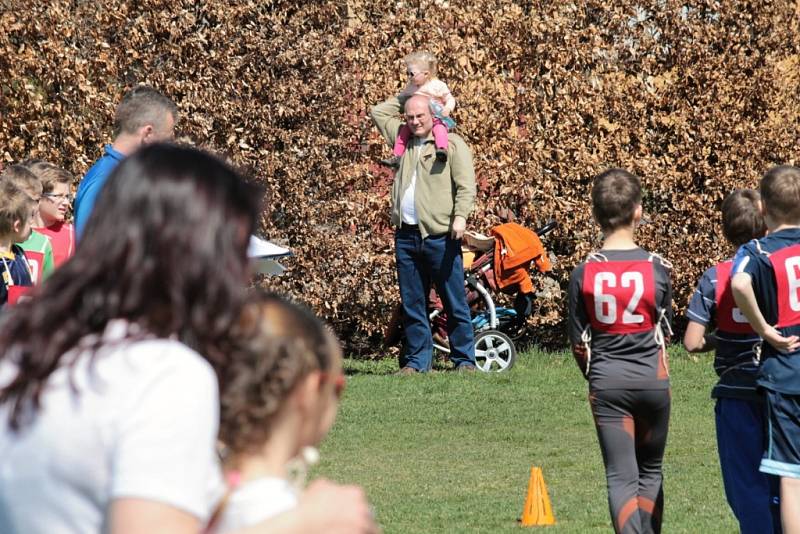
[{"x": 696, "y": 98}]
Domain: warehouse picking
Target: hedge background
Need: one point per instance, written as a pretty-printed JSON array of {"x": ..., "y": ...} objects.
[{"x": 695, "y": 97}]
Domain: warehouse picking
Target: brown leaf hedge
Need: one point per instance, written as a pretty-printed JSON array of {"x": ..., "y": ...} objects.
[{"x": 696, "y": 97}]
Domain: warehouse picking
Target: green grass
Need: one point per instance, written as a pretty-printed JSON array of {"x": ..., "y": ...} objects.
[{"x": 452, "y": 452}]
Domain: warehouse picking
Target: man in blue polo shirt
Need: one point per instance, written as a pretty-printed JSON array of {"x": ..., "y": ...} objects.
[{"x": 143, "y": 116}]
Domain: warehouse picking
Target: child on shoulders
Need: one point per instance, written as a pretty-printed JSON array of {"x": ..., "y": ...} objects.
[{"x": 422, "y": 80}]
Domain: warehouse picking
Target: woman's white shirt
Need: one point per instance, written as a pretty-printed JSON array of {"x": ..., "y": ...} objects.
[
  {"x": 253, "y": 502},
  {"x": 143, "y": 425}
]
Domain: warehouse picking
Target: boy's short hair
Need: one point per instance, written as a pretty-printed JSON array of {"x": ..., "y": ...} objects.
[
  {"x": 23, "y": 179},
  {"x": 15, "y": 206},
  {"x": 616, "y": 193},
  {"x": 780, "y": 193},
  {"x": 48, "y": 173},
  {"x": 741, "y": 217},
  {"x": 140, "y": 106}
]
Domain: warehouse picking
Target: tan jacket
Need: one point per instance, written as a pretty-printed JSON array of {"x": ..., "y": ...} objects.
[{"x": 443, "y": 190}]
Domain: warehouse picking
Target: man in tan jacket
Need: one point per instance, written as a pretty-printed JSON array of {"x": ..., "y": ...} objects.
[{"x": 431, "y": 201}]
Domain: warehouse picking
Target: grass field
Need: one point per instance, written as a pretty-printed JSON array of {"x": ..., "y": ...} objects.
[{"x": 452, "y": 452}]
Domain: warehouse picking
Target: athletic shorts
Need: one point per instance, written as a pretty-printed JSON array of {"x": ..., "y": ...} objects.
[{"x": 782, "y": 457}]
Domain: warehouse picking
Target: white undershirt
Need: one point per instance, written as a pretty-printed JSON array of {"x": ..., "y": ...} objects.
[
  {"x": 408, "y": 209},
  {"x": 255, "y": 501},
  {"x": 143, "y": 425}
]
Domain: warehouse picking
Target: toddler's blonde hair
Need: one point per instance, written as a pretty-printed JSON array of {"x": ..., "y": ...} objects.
[{"x": 423, "y": 57}]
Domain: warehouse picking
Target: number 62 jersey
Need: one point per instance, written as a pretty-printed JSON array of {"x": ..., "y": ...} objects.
[
  {"x": 773, "y": 263},
  {"x": 620, "y": 306}
]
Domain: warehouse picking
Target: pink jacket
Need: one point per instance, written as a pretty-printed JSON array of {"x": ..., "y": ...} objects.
[{"x": 435, "y": 89}]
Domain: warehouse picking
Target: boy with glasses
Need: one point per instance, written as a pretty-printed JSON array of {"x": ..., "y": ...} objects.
[{"x": 54, "y": 208}]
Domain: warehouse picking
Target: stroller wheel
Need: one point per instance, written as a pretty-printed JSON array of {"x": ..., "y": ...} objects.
[{"x": 494, "y": 351}]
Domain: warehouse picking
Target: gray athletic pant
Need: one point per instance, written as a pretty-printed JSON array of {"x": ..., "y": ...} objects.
[{"x": 632, "y": 429}]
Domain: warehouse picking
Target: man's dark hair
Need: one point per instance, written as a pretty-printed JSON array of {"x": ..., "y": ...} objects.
[
  {"x": 741, "y": 217},
  {"x": 141, "y": 106},
  {"x": 615, "y": 195}
]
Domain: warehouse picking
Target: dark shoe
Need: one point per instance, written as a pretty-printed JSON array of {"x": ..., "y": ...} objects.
[
  {"x": 466, "y": 368},
  {"x": 407, "y": 371},
  {"x": 393, "y": 162},
  {"x": 441, "y": 155}
]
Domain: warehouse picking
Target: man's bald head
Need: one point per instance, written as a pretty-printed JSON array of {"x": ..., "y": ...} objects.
[{"x": 418, "y": 115}]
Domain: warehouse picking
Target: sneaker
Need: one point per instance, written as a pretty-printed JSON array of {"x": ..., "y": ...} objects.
[
  {"x": 407, "y": 371},
  {"x": 441, "y": 155},
  {"x": 393, "y": 162},
  {"x": 466, "y": 368}
]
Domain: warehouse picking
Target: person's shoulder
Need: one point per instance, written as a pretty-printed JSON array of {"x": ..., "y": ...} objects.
[
  {"x": 457, "y": 141},
  {"x": 577, "y": 271},
  {"x": 165, "y": 359},
  {"x": 657, "y": 259},
  {"x": 436, "y": 85},
  {"x": 17, "y": 251},
  {"x": 103, "y": 165},
  {"x": 710, "y": 274}
]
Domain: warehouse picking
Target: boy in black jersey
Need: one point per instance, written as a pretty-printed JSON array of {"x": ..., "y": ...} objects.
[
  {"x": 766, "y": 287},
  {"x": 739, "y": 409},
  {"x": 620, "y": 300}
]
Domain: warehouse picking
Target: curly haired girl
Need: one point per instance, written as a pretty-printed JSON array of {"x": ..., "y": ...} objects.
[{"x": 279, "y": 398}]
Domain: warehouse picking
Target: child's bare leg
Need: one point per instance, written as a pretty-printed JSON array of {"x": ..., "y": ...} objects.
[
  {"x": 403, "y": 137},
  {"x": 790, "y": 505}
]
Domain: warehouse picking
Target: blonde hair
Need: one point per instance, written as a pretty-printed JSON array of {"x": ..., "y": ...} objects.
[
  {"x": 49, "y": 174},
  {"x": 423, "y": 57},
  {"x": 16, "y": 206}
]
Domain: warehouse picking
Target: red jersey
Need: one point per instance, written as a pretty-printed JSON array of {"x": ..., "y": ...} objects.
[{"x": 62, "y": 237}]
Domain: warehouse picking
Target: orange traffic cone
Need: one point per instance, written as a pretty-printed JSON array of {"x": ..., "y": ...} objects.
[{"x": 537, "y": 510}]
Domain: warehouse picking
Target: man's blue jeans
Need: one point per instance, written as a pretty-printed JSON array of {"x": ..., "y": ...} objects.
[{"x": 420, "y": 261}]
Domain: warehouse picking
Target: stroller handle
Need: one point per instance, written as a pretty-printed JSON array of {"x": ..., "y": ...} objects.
[{"x": 548, "y": 227}]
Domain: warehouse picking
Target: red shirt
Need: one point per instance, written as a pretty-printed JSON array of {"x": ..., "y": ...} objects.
[{"x": 62, "y": 237}]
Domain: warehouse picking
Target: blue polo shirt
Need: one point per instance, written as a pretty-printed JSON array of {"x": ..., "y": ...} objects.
[
  {"x": 734, "y": 358},
  {"x": 92, "y": 184},
  {"x": 779, "y": 371}
]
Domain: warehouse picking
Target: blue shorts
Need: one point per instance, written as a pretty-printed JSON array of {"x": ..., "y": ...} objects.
[{"x": 782, "y": 457}]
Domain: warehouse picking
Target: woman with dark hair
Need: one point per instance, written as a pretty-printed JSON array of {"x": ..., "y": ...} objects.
[{"x": 108, "y": 377}]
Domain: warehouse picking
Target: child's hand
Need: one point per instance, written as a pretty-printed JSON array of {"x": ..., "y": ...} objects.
[{"x": 779, "y": 342}]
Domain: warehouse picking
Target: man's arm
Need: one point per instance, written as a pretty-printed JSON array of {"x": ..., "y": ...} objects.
[
  {"x": 745, "y": 297},
  {"x": 462, "y": 173},
  {"x": 385, "y": 117}
]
